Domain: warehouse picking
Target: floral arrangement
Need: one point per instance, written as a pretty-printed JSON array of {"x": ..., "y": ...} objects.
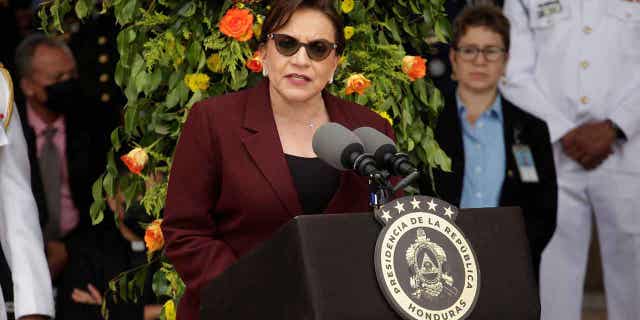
[{"x": 174, "y": 53}]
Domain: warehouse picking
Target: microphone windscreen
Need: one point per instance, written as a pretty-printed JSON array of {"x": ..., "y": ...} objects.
[
  {"x": 376, "y": 143},
  {"x": 334, "y": 144}
]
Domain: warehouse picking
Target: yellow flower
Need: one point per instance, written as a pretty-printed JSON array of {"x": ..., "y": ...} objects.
[
  {"x": 384, "y": 115},
  {"x": 257, "y": 28},
  {"x": 214, "y": 63},
  {"x": 169, "y": 309},
  {"x": 153, "y": 237},
  {"x": 197, "y": 81},
  {"x": 347, "y": 6},
  {"x": 348, "y": 32}
]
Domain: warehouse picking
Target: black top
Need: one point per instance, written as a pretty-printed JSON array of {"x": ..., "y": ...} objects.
[{"x": 315, "y": 181}]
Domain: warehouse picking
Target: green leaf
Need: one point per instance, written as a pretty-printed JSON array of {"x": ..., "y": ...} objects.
[
  {"x": 108, "y": 184},
  {"x": 442, "y": 29},
  {"x": 391, "y": 25},
  {"x": 122, "y": 288},
  {"x": 194, "y": 53},
  {"x": 154, "y": 81},
  {"x": 97, "y": 212},
  {"x": 130, "y": 116},
  {"x": 420, "y": 89},
  {"x": 97, "y": 207},
  {"x": 411, "y": 145},
  {"x": 188, "y": 9},
  {"x": 44, "y": 19},
  {"x": 115, "y": 139},
  {"x": 83, "y": 8},
  {"x": 125, "y": 10}
]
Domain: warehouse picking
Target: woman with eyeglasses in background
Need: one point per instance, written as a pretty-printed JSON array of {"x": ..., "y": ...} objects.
[
  {"x": 245, "y": 165},
  {"x": 500, "y": 155}
]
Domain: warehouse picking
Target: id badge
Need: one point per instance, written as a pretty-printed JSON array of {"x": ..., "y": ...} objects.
[
  {"x": 526, "y": 165},
  {"x": 548, "y": 8}
]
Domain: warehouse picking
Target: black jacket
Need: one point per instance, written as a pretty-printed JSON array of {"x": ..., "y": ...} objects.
[{"x": 537, "y": 200}]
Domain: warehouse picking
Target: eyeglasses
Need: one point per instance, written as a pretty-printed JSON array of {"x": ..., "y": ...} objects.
[
  {"x": 287, "y": 46},
  {"x": 490, "y": 53}
]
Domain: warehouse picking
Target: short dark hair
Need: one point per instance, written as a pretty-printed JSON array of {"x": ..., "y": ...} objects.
[
  {"x": 282, "y": 10},
  {"x": 484, "y": 15},
  {"x": 27, "y": 48}
]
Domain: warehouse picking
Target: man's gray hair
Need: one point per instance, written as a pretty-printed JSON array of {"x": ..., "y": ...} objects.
[{"x": 27, "y": 48}]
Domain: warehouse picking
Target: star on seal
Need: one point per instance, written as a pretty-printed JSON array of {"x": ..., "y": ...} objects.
[
  {"x": 432, "y": 205},
  {"x": 448, "y": 212},
  {"x": 385, "y": 215},
  {"x": 415, "y": 203},
  {"x": 399, "y": 206}
]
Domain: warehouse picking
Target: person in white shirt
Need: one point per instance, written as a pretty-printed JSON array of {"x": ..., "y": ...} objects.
[
  {"x": 20, "y": 233},
  {"x": 576, "y": 64}
]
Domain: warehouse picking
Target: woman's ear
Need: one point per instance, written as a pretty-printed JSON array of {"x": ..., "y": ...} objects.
[
  {"x": 262, "y": 48},
  {"x": 453, "y": 60}
]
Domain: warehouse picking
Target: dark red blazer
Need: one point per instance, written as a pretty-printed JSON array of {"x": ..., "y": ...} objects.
[{"x": 230, "y": 187}]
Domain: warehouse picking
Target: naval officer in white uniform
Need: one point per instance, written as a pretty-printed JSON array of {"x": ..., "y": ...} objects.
[
  {"x": 576, "y": 64},
  {"x": 20, "y": 233}
]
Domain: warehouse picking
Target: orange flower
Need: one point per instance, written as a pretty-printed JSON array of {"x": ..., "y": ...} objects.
[
  {"x": 357, "y": 83},
  {"x": 135, "y": 160},
  {"x": 237, "y": 24},
  {"x": 255, "y": 63},
  {"x": 414, "y": 66},
  {"x": 153, "y": 236}
]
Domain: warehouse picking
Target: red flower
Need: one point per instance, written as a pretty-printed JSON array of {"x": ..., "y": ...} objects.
[
  {"x": 414, "y": 67},
  {"x": 255, "y": 63},
  {"x": 153, "y": 237},
  {"x": 135, "y": 160},
  {"x": 237, "y": 24}
]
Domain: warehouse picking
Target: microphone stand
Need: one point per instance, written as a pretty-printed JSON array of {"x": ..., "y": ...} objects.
[
  {"x": 406, "y": 181},
  {"x": 379, "y": 188}
]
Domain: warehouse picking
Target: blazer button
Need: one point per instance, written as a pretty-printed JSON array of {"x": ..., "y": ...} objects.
[{"x": 510, "y": 173}]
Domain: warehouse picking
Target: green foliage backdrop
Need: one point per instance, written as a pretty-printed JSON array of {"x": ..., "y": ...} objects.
[{"x": 173, "y": 54}]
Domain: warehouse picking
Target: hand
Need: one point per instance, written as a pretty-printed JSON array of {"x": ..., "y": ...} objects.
[
  {"x": 116, "y": 204},
  {"x": 57, "y": 257},
  {"x": 92, "y": 296},
  {"x": 590, "y": 144},
  {"x": 152, "y": 311}
]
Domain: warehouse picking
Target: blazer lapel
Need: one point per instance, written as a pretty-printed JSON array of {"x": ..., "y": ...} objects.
[
  {"x": 263, "y": 145},
  {"x": 510, "y": 123},
  {"x": 449, "y": 136}
]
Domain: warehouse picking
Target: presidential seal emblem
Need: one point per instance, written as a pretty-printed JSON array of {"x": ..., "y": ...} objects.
[{"x": 425, "y": 266}]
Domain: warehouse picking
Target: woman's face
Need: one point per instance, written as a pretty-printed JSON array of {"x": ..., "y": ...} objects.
[
  {"x": 479, "y": 73},
  {"x": 297, "y": 78}
]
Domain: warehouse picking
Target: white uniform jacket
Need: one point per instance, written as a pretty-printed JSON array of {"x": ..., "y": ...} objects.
[
  {"x": 20, "y": 233},
  {"x": 574, "y": 61}
]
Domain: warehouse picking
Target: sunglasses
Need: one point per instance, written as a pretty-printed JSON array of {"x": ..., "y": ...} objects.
[{"x": 287, "y": 46}]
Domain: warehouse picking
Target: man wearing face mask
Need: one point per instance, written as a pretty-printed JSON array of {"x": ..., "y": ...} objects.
[{"x": 68, "y": 137}]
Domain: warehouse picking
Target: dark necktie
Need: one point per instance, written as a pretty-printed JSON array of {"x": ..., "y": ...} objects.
[{"x": 50, "y": 171}]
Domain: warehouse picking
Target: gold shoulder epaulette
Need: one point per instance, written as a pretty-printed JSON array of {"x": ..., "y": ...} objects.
[{"x": 6, "y": 116}]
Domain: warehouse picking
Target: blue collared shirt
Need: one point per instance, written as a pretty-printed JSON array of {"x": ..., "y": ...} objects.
[{"x": 484, "y": 156}]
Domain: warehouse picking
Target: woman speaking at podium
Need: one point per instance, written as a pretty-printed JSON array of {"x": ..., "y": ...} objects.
[{"x": 244, "y": 164}]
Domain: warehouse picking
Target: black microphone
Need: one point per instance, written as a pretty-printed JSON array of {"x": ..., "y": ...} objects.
[
  {"x": 385, "y": 152},
  {"x": 341, "y": 149}
]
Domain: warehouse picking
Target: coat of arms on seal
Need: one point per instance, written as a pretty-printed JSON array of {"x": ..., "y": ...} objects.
[{"x": 424, "y": 265}]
